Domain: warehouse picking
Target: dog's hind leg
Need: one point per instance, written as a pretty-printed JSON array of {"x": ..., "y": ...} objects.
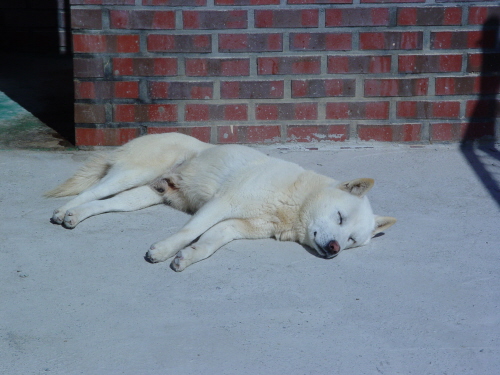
[
  {"x": 216, "y": 237},
  {"x": 209, "y": 215},
  {"x": 114, "y": 182},
  {"x": 130, "y": 200}
]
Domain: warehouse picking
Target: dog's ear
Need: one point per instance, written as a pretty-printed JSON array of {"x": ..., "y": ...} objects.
[
  {"x": 382, "y": 223},
  {"x": 358, "y": 187}
]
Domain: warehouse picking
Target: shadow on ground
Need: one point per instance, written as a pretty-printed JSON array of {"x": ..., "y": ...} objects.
[{"x": 478, "y": 143}]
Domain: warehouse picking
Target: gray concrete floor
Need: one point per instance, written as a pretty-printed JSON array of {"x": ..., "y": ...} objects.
[{"x": 422, "y": 299}]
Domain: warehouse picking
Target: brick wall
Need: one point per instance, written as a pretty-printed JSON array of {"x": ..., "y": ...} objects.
[{"x": 250, "y": 71}]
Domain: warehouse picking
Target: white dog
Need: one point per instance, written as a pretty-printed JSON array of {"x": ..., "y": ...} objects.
[{"x": 234, "y": 192}]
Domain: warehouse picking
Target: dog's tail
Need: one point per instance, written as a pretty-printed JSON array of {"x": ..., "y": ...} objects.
[{"x": 87, "y": 176}]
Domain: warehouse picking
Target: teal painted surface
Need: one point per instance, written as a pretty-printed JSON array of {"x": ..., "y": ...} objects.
[
  {"x": 13, "y": 115},
  {"x": 19, "y": 128}
]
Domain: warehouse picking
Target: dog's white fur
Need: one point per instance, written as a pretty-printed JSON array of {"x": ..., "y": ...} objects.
[{"x": 234, "y": 192}]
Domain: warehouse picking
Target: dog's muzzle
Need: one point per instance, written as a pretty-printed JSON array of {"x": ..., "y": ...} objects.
[{"x": 330, "y": 250}]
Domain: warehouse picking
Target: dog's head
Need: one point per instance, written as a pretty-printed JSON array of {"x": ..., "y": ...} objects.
[{"x": 340, "y": 217}]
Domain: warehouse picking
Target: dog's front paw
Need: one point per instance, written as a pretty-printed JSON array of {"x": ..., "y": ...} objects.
[
  {"x": 180, "y": 262},
  {"x": 70, "y": 219},
  {"x": 155, "y": 255},
  {"x": 57, "y": 217}
]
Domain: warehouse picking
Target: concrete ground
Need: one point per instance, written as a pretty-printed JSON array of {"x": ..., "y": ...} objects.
[{"x": 422, "y": 299}]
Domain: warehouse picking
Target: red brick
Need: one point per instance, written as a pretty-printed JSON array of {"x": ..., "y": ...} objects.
[
  {"x": 144, "y": 66},
  {"x": 474, "y": 62},
  {"x": 357, "y": 17},
  {"x": 456, "y": 85},
  {"x": 359, "y": 64},
  {"x": 248, "y": 134},
  {"x": 176, "y": 3},
  {"x": 214, "y": 19},
  {"x": 91, "y": 43},
  {"x": 478, "y": 130},
  {"x": 142, "y": 19},
  {"x": 289, "y": 65},
  {"x": 252, "y": 90},
  {"x": 106, "y": 90},
  {"x": 319, "y": 1},
  {"x": 463, "y": 39},
  {"x": 91, "y": 90},
  {"x": 247, "y": 2},
  {"x": 390, "y": 133},
  {"x": 250, "y": 42},
  {"x": 444, "y": 109},
  {"x": 319, "y": 88},
  {"x": 161, "y": 112},
  {"x": 91, "y": 67},
  {"x": 179, "y": 43},
  {"x": 428, "y": 110},
  {"x": 396, "y": 87},
  {"x": 391, "y": 1},
  {"x": 320, "y": 41},
  {"x": 483, "y": 62},
  {"x": 217, "y": 67},
  {"x": 286, "y": 111},
  {"x": 145, "y": 112},
  {"x": 180, "y": 90},
  {"x": 127, "y": 89},
  {"x": 293, "y": 18},
  {"x": 197, "y": 112},
  {"x": 232, "y": 112},
  {"x": 84, "y": 90},
  {"x": 124, "y": 66},
  {"x": 86, "y": 19},
  {"x": 407, "y": 133},
  {"x": 199, "y": 132},
  {"x": 126, "y": 113},
  {"x": 483, "y": 109},
  {"x": 126, "y": 43},
  {"x": 485, "y": 85},
  {"x": 478, "y": 15},
  {"x": 211, "y": 112},
  {"x": 429, "y": 16},
  {"x": 357, "y": 110},
  {"x": 446, "y": 132},
  {"x": 311, "y": 133},
  {"x": 429, "y": 63},
  {"x": 391, "y": 40},
  {"x": 105, "y": 137},
  {"x": 90, "y": 113}
]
